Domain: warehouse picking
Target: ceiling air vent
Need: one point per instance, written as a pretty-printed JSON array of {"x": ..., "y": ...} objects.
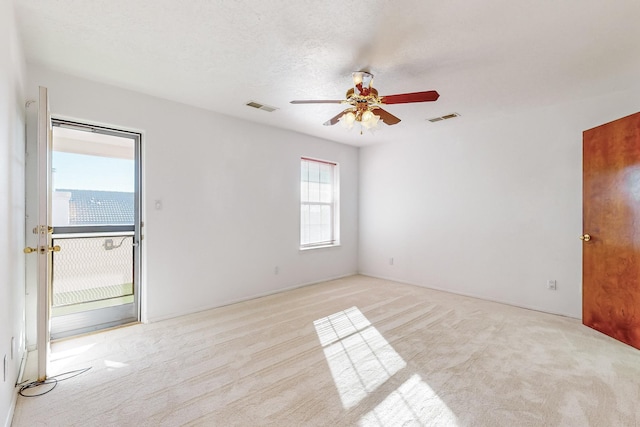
[
  {"x": 261, "y": 106},
  {"x": 445, "y": 117}
]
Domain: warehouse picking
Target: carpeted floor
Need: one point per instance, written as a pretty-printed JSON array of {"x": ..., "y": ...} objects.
[{"x": 354, "y": 351}]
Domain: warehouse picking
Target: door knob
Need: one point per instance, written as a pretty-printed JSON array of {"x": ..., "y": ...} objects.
[
  {"x": 29, "y": 250},
  {"x": 585, "y": 237}
]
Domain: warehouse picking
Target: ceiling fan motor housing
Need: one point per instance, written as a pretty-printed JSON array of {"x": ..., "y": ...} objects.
[{"x": 362, "y": 82}]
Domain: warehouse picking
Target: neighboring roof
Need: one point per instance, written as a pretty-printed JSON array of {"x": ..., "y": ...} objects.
[{"x": 100, "y": 207}]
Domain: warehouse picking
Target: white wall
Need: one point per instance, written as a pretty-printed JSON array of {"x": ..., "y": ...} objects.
[
  {"x": 230, "y": 197},
  {"x": 12, "y": 122},
  {"x": 489, "y": 209}
]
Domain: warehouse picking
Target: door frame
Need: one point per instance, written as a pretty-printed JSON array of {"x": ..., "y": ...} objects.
[
  {"x": 136, "y": 136},
  {"x": 37, "y": 295},
  {"x": 44, "y": 254}
]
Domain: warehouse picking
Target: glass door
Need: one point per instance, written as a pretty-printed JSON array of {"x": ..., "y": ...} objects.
[{"x": 96, "y": 224}]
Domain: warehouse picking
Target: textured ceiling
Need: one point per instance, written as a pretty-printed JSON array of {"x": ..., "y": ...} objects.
[{"x": 485, "y": 58}]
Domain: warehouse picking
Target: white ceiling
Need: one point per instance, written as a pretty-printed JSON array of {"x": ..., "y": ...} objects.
[{"x": 486, "y": 58}]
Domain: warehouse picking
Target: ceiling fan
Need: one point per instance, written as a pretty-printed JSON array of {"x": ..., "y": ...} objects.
[{"x": 365, "y": 103}]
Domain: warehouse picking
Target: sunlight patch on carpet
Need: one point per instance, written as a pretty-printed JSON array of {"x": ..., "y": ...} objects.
[
  {"x": 413, "y": 403},
  {"x": 70, "y": 352},
  {"x": 359, "y": 357},
  {"x": 114, "y": 365}
]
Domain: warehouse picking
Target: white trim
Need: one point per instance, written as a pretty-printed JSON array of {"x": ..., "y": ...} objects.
[
  {"x": 84, "y": 121},
  {"x": 14, "y": 398},
  {"x": 247, "y": 298},
  {"x": 309, "y": 248},
  {"x": 464, "y": 294},
  {"x": 135, "y": 136},
  {"x": 334, "y": 205},
  {"x": 44, "y": 239},
  {"x": 12, "y": 408}
]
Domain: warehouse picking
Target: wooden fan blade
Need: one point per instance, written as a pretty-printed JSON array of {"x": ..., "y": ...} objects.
[
  {"x": 387, "y": 117},
  {"x": 333, "y": 120},
  {"x": 318, "y": 101},
  {"x": 403, "y": 98}
]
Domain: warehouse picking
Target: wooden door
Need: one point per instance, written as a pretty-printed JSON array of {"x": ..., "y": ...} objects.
[{"x": 611, "y": 217}]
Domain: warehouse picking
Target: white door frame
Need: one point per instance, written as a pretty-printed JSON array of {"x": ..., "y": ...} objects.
[
  {"x": 38, "y": 231},
  {"x": 43, "y": 231},
  {"x": 97, "y": 319}
]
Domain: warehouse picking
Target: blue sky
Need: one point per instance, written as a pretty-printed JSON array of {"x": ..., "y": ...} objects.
[{"x": 84, "y": 172}]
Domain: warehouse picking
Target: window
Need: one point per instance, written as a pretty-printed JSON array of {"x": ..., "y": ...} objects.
[{"x": 318, "y": 204}]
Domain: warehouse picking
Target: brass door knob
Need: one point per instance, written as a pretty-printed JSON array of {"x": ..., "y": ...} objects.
[
  {"x": 29, "y": 250},
  {"x": 585, "y": 237}
]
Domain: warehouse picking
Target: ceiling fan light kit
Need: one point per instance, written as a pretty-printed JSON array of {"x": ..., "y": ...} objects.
[
  {"x": 367, "y": 119},
  {"x": 365, "y": 104}
]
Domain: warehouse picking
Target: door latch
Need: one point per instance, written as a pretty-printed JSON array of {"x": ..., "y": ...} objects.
[{"x": 43, "y": 249}]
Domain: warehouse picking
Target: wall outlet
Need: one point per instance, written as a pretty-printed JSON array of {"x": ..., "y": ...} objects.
[
  {"x": 4, "y": 369},
  {"x": 276, "y": 270},
  {"x": 391, "y": 261},
  {"x": 552, "y": 285}
]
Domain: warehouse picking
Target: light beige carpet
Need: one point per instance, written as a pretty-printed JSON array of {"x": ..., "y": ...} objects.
[{"x": 355, "y": 351}]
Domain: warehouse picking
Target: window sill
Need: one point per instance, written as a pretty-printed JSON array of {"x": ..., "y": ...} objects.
[{"x": 310, "y": 248}]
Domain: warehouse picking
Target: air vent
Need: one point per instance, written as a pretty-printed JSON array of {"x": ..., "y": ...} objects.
[
  {"x": 261, "y": 106},
  {"x": 445, "y": 117}
]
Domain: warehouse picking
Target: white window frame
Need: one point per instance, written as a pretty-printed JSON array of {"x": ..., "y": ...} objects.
[{"x": 334, "y": 204}]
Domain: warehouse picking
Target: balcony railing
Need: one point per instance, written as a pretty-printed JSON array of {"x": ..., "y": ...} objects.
[{"x": 92, "y": 270}]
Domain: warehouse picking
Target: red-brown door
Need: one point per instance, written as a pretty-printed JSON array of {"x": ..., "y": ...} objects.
[{"x": 611, "y": 219}]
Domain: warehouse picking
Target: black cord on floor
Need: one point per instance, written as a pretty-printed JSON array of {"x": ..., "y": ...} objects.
[{"x": 51, "y": 380}]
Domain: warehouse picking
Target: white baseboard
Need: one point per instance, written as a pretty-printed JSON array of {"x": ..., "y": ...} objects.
[
  {"x": 435, "y": 288},
  {"x": 12, "y": 408},
  {"x": 247, "y": 298},
  {"x": 14, "y": 398}
]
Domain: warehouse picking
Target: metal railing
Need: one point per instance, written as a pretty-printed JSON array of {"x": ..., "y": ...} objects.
[{"x": 92, "y": 266}]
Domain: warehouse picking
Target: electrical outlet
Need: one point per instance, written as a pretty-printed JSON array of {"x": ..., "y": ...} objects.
[
  {"x": 390, "y": 261},
  {"x": 552, "y": 285},
  {"x": 4, "y": 369},
  {"x": 276, "y": 270}
]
